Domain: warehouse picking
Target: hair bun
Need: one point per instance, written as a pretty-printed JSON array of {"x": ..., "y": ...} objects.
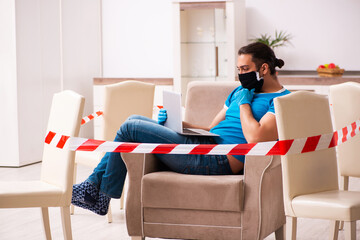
[{"x": 279, "y": 63}]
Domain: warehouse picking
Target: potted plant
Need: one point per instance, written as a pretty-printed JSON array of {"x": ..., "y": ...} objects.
[{"x": 281, "y": 38}]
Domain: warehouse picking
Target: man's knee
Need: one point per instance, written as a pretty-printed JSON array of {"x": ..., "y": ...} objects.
[
  {"x": 129, "y": 122},
  {"x": 127, "y": 125},
  {"x": 133, "y": 124},
  {"x": 125, "y": 130},
  {"x": 134, "y": 116}
]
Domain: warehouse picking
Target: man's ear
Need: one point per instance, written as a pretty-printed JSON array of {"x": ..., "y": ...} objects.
[{"x": 265, "y": 69}]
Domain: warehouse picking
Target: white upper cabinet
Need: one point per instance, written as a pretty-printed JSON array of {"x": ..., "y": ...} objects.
[{"x": 207, "y": 36}]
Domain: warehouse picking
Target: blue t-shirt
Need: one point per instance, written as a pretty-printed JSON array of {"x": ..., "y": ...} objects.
[{"x": 230, "y": 130}]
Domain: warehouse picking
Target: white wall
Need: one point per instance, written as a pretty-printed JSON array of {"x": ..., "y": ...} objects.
[
  {"x": 45, "y": 46},
  {"x": 30, "y": 100},
  {"x": 323, "y": 30},
  {"x": 137, "y": 38},
  {"x": 8, "y": 85},
  {"x": 138, "y": 34},
  {"x": 81, "y": 50}
]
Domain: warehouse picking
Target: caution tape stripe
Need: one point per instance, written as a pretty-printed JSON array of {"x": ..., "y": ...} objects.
[
  {"x": 91, "y": 117},
  {"x": 282, "y": 147},
  {"x": 75, "y": 142},
  {"x": 324, "y": 141},
  {"x": 109, "y": 146},
  {"x": 172, "y": 149},
  {"x": 221, "y": 148},
  {"x": 259, "y": 149}
]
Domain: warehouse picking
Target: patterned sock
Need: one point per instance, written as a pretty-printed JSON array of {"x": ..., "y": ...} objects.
[
  {"x": 85, "y": 192},
  {"x": 101, "y": 206}
]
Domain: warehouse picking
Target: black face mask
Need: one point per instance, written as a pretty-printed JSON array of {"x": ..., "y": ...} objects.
[{"x": 251, "y": 80}]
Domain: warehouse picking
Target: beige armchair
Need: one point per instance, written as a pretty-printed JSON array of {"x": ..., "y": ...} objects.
[
  {"x": 310, "y": 179},
  {"x": 165, "y": 204}
]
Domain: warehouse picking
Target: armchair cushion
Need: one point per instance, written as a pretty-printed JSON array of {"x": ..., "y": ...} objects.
[{"x": 218, "y": 193}]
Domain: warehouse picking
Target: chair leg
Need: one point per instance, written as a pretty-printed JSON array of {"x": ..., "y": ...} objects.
[
  {"x": 341, "y": 225},
  {"x": 46, "y": 222},
  {"x": 280, "y": 233},
  {"x": 66, "y": 223},
  {"x": 72, "y": 207},
  {"x": 137, "y": 238},
  {"x": 345, "y": 186},
  {"x": 109, "y": 214},
  {"x": 345, "y": 183},
  {"x": 291, "y": 225},
  {"x": 122, "y": 199},
  {"x": 350, "y": 230},
  {"x": 334, "y": 230}
]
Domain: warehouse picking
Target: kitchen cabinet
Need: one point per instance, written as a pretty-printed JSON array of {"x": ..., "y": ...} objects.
[{"x": 207, "y": 37}]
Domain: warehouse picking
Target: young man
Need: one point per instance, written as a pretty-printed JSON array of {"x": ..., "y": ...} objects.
[{"x": 247, "y": 117}]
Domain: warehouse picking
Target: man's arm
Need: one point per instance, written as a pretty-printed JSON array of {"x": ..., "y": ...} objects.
[
  {"x": 218, "y": 118},
  {"x": 254, "y": 131}
]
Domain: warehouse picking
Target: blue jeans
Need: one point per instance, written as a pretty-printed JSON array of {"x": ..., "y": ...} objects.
[{"x": 109, "y": 175}]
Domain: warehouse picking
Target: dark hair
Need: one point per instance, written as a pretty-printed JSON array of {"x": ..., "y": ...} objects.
[{"x": 262, "y": 53}]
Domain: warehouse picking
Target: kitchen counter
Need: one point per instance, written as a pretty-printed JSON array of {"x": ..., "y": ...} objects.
[
  {"x": 316, "y": 80},
  {"x": 156, "y": 81}
]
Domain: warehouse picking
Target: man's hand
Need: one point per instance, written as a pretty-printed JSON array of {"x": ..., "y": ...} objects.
[
  {"x": 162, "y": 116},
  {"x": 244, "y": 96}
]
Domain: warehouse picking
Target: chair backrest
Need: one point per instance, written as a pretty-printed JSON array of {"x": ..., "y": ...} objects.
[
  {"x": 300, "y": 115},
  {"x": 204, "y": 99},
  {"x": 65, "y": 118},
  {"x": 122, "y": 100},
  {"x": 345, "y": 100}
]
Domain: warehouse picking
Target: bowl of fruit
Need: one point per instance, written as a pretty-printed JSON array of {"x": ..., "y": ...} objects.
[{"x": 330, "y": 70}]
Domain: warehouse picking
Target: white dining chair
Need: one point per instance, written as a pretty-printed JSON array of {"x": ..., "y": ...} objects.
[
  {"x": 345, "y": 101},
  {"x": 54, "y": 188},
  {"x": 310, "y": 178}
]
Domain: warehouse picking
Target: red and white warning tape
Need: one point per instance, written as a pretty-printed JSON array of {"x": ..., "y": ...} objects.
[
  {"x": 282, "y": 147},
  {"x": 100, "y": 113},
  {"x": 91, "y": 117}
]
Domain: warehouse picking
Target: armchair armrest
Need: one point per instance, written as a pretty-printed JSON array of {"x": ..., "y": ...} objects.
[
  {"x": 263, "y": 199},
  {"x": 138, "y": 165}
]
